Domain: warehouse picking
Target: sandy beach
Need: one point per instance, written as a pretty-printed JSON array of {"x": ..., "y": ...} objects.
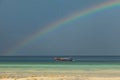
[
  {"x": 62, "y": 75},
  {"x": 62, "y": 78}
]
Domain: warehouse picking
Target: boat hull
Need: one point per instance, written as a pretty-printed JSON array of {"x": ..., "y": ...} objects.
[{"x": 63, "y": 59}]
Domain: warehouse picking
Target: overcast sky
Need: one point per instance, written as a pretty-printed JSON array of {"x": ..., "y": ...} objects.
[{"x": 95, "y": 34}]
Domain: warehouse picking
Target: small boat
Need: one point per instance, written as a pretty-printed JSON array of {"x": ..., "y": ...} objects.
[{"x": 63, "y": 59}]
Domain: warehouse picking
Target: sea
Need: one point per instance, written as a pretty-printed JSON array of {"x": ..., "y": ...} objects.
[{"x": 43, "y": 63}]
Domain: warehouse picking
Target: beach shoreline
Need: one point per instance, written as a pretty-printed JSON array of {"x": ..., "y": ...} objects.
[{"x": 62, "y": 75}]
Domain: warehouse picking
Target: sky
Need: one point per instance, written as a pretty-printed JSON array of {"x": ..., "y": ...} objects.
[{"x": 94, "y": 34}]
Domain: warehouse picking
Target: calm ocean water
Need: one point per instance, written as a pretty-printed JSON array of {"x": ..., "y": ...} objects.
[
  {"x": 38, "y": 63},
  {"x": 51, "y": 58}
]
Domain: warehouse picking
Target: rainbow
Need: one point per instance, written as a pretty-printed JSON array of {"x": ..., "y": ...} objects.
[{"x": 60, "y": 23}]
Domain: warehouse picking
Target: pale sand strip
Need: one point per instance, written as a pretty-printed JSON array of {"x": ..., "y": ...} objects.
[
  {"x": 62, "y": 75},
  {"x": 103, "y": 78},
  {"x": 63, "y": 78}
]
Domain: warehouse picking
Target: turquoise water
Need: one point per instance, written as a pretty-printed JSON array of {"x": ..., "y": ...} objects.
[
  {"x": 42, "y": 63},
  {"x": 60, "y": 66}
]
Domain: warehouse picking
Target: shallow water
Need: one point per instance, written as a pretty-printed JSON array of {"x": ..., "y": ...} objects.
[{"x": 46, "y": 63}]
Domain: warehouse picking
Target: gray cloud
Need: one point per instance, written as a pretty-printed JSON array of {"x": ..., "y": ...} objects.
[{"x": 95, "y": 34}]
